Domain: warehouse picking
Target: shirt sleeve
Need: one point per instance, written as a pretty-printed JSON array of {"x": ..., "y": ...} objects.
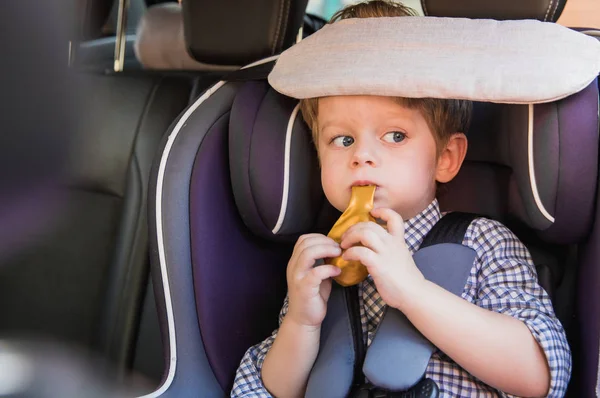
[
  {"x": 248, "y": 381},
  {"x": 507, "y": 283}
]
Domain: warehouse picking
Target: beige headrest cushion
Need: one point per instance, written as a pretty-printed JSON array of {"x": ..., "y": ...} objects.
[{"x": 523, "y": 61}]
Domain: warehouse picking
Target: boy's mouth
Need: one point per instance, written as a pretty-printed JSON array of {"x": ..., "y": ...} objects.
[{"x": 362, "y": 183}]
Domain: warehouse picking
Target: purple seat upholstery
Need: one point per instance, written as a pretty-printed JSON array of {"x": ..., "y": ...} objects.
[
  {"x": 233, "y": 265},
  {"x": 238, "y": 182}
]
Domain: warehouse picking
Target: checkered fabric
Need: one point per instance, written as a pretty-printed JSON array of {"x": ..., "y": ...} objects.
[{"x": 503, "y": 279}]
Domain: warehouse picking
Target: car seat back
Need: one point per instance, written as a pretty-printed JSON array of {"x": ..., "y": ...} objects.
[{"x": 238, "y": 182}]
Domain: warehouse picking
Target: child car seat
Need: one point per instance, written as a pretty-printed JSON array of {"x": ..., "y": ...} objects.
[
  {"x": 238, "y": 181},
  {"x": 582, "y": 271},
  {"x": 249, "y": 33}
]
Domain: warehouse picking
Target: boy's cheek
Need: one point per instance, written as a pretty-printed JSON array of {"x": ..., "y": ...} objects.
[{"x": 335, "y": 194}]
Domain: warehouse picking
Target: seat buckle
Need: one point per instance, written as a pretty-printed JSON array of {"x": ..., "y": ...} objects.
[
  {"x": 379, "y": 393},
  {"x": 426, "y": 388}
]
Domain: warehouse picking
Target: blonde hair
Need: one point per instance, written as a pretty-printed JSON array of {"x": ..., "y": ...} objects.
[{"x": 444, "y": 117}]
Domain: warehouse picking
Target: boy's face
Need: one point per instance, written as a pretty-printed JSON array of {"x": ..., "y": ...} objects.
[{"x": 371, "y": 140}]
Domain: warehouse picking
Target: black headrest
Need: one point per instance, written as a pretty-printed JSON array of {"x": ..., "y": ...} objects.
[
  {"x": 150, "y": 3},
  {"x": 91, "y": 16},
  {"x": 230, "y": 32},
  {"x": 543, "y": 160},
  {"x": 543, "y": 10},
  {"x": 536, "y": 164},
  {"x": 160, "y": 43},
  {"x": 273, "y": 165},
  {"x": 312, "y": 23}
]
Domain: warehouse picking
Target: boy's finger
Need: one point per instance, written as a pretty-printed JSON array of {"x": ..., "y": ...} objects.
[
  {"x": 378, "y": 229},
  {"x": 305, "y": 240},
  {"x": 309, "y": 240},
  {"x": 322, "y": 272},
  {"x": 363, "y": 254},
  {"x": 366, "y": 235},
  {"x": 394, "y": 221},
  {"x": 309, "y": 255}
]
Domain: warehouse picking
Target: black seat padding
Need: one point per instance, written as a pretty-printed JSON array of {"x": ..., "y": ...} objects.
[
  {"x": 543, "y": 10},
  {"x": 99, "y": 54},
  {"x": 83, "y": 279}
]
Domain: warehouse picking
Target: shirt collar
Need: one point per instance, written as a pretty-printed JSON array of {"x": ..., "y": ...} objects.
[{"x": 418, "y": 226}]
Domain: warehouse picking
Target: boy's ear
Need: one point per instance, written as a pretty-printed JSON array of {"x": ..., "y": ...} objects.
[{"x": 451, "y": 158}]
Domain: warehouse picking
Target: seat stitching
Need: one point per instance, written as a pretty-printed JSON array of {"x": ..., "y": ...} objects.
[
  {"x": 548, "y": 10},
  {"x": 555, "y": 9},
  {"x": 285, "y": 22},
  {"x": 277, "y": 27},
  {"x": 424, "y": 5}
]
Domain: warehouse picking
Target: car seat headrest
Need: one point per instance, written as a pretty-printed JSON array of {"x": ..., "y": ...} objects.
[
  {"x": 548, "y": 149},
  {"x": 417, "y": 57},
  {"x": 228, "y": 32},
  {"x": 543, "y": 10},
  {"x": 91, "y": 16},
  {"x": 273, "y": 166},
  {"x": 160, "y": 42},
  {"x": 543, "y": 161},
  {"x": 536, "y": 164}
]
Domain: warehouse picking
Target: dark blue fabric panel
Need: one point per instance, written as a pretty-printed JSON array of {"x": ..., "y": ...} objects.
[
  {"x": 193, "y": 375},
  {"x": 399, "y": 354},
  {"x": 333, "y": 370}
]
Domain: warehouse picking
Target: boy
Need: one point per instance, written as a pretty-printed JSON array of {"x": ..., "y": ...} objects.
[{"x": 500, "y": 338}]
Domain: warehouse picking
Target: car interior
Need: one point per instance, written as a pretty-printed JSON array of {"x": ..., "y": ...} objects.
[{"x": 191, "y": 178}]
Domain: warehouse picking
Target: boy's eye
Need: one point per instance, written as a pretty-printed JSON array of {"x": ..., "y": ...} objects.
[
  {"x": 343, "y": 141},
  {"x": 394, "y": 137}
]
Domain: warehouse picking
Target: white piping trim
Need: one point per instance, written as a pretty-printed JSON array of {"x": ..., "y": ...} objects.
[
  {"x": 160, "y": 241},
  {"x": 598, "y": 372},
  {"x": 261, "y": 61},
  {"x": 286, "y": 169},
  {"x": 591, "y": 32},
  {"x": 532, "y": 181},
  {"x": 159, "y": 230},
  {"x": 598, "y": 379}
]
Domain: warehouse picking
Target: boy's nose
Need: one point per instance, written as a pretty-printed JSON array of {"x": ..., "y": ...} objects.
[{"x": 363, "y": 156}]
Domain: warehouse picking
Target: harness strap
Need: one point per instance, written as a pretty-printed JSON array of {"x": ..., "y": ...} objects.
[
  {"x": 451, "y": 228},
  {"x": 399, "y": 353},
  {"x": 333, "y": 371},
  {"x": 397, "y": 358},
  {"x": 426, "y": 388},
  {"x": 256, "y": 72}
]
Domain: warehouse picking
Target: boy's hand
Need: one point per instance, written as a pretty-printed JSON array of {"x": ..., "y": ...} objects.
[
  {"x": 385, "y": 255},
  {"x": 309, "y": 287}
]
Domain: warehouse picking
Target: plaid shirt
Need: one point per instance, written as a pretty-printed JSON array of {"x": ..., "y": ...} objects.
[{"x": 503, "y": 279}]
